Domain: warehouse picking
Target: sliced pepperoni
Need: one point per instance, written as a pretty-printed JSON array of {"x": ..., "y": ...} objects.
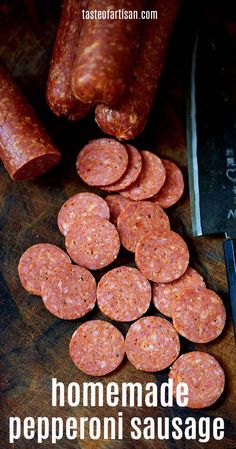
[
  {"x": 203, "y": 375},
  {"x": 69, "y": 292},
  {"x": 173, "y": 188},
  {"x": 124, "y": 294},
  {"x": 116, "y": 204},
  {"x": 152, "y": 344},
  {"x": 81, "y": 205},
  {"x": 36, "y": 264},
  {"x": 139, "y": 218},
  {"x": 97, "y": 348},
  {"x": 102, "y": 162},
  {"x": 150, "y": 180},
  {"x": 199, "y": 315},
  {"x": 92, "y": 242},
  {"x": 164, "y": 295},
  {"x": 162, "y": 258},
  {"x": 132, "y": 172}
]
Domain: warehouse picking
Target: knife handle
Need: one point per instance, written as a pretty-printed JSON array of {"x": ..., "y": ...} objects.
[{"x": 230, "y": 261}]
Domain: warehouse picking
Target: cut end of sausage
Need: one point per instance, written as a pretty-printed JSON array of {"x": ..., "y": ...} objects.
[{"x": 35, "y": 167}]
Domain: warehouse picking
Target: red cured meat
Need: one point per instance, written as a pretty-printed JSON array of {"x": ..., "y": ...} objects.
[
  {"x": 59, "y": 94},
  {"x": 26, "y": 149},
  {"x": 103, "y": 67},
  {"x": 150, "y": 180},
  {"x": 92, "y": 242},
  {"x": 128, "y": 119},
  {"x": 81, "y": 205},
  {"x": 37, "y": 263},
  {"x": 102, "y": 162},
  {"x": 117, "y": 204},
  {"x": 199, "y": 315},
  {"x": 165, "y": 295},
  {"x": 97, "y": 348},
  {"x": 203, "y": 375},
  {"x": 124, "y": 294},
  {"x": 173, "y": 188},
  {"x": 152, "y": 344},
  {"x": 162, "y": 258},
  {"x": 69, "y": 292},
  {"x": 139, "y": 218},
  {"x": 132, "y": 172}
]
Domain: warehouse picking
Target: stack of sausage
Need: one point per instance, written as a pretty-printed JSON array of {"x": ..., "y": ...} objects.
[
  {"x": 108, "y": 63},
  {"x": 111, "y": 65},
  {"x": 124, "y": 294}
]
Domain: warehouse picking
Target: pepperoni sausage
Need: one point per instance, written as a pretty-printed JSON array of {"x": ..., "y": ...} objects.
[
  {"x": 104, "y": 63},
  {"x": 81, "y": 205},
  {"x": 165, "y": 295},
  {"x": 132, "y": 172},
  {"x": 123, "y": 294},
  {"x": 26, "y": 149},
  {"x": 69, "y": 292},
  {"x": 117, "y": 204},
  {"x": 97, "y": 348},
  {"x": 152, "y": 344},
  {"x": 92, "y": 242},
  {"x": 102, "y": 162},
  {"x": 59, "y": 94},
  {"x": 199, "y": 315},
  {"x": 139, "y": 218},
  {"x": 203, "y": 375},
  {"x": 37, "y": 263},
  {"x": 150, "y": 180},
  {"x": 162, "y": 258},
  {"x": 129, "y": 118},
  {"x": 173, "y": 188}
]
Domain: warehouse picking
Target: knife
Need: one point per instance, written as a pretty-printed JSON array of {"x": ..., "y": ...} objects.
[{"x": 211, "y": 140}]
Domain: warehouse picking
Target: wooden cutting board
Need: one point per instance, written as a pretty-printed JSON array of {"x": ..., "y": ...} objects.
[{"x": 34, "y": 344}]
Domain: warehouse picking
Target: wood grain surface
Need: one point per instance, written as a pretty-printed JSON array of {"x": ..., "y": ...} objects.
[{"x": 34, "y": 344}]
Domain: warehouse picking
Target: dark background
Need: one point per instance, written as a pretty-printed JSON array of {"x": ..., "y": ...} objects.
[{"x": 34, "y": 344}]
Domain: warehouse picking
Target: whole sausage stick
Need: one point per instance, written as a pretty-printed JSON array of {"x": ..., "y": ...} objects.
[
  {"x": 105, "y": 57},
  {"x": 26, "y": 149},
  {"x": 59, "y": 95},
  {"x": 130, "y": 117}
]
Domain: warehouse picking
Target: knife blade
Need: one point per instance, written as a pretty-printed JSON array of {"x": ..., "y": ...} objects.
[{"x": 211, "y": 141}]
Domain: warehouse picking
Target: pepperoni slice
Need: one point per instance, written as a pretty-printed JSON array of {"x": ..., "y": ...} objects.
[
  {"x": 116, "y": 204},
  {"x": 102, "y": 162},
  {"x": 69, "y": 292},
  {"x": 162, "y": 258},
  {"x": 199, "y": 315},
  {"x": 164, "y": 295},
  {"x": 97, "y": 348},
  {"x": 132, "y": 172},
  {"x": 150, "y": 180},
  {"x": 81, "y": 205},
  {"x": 139, "y": 218},
  {"x": 152, "y": 344},
  {"x": 37, "y": 263},
  {"x": 92, "y": 242},
  {"x": 203, "y": 375},
  {"x": 124, "y": 294},
  {"x": 173, "y": 188}
]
